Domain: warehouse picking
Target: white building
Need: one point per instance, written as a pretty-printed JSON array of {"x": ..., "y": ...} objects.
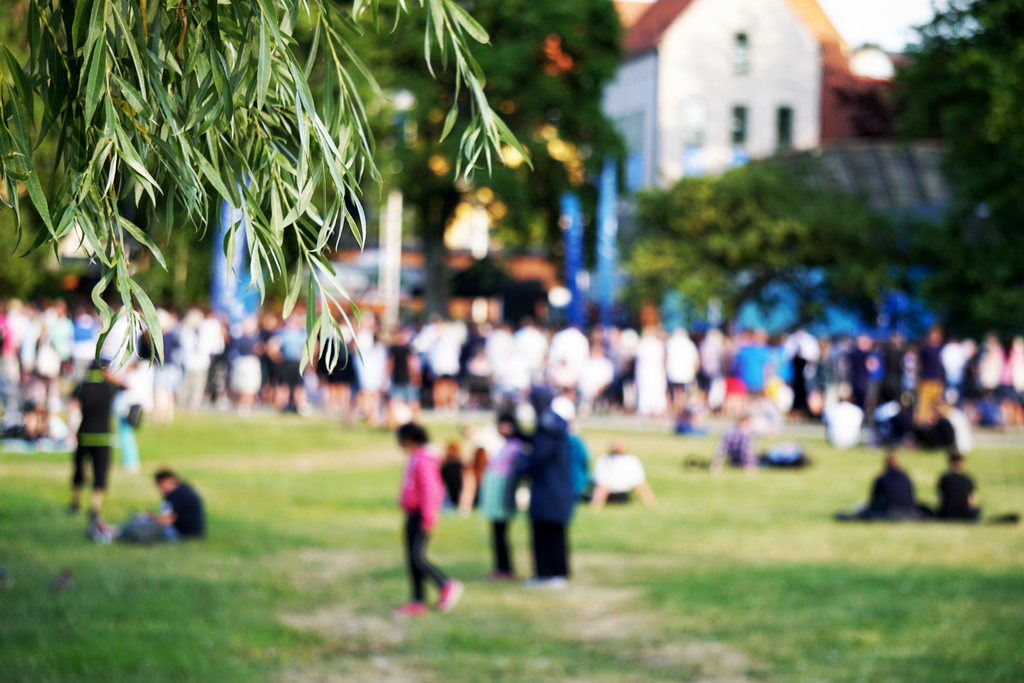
[{"x": 710, "y": 84}]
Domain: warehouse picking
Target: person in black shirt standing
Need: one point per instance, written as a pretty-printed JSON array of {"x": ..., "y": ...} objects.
[
  {"x": 182, "y": 515},
  {"x": 95, "y": 438},
  {"x": 931, "y": 376},
  {"x": 862, "y": 364},
  {"x": 958, "y": 499},
  {"x": 892, "y": 370},
  {"x": 403, "y": 375}
]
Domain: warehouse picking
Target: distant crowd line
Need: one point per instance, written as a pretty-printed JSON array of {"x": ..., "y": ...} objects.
[{"x": 386, "y": 377}]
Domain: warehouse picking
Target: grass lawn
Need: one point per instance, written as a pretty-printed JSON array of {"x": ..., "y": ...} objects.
[{"x": 732, "y": 578}]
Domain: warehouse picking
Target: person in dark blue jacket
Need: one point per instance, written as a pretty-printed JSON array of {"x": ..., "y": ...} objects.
[{"x": 552, "y": 493}]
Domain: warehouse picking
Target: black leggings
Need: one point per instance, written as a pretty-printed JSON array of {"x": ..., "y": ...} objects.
[
  {"x": 415, "y": 546},
  {"x": 502, "y": 557},
  {"x": 100, "y": 456},
  {"x": 550, "y": 550}
]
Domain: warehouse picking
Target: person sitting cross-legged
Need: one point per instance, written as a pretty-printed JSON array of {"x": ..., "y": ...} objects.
[
  {"x": 958, "y": 499},
  {"x": 737, "y": 445},
  {"x": 182, "y": 514},
  {"x": 616, "y": 475},
  {"x": 892, "y": 496}
]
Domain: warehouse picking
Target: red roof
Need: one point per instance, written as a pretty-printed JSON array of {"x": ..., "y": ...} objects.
[
  {"x": 647, "y": 31},
  {"x": 852, "y": 106}
]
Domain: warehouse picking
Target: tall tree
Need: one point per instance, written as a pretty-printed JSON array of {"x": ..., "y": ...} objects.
[
  {"x": 746, "y": 235},
  {"x": 963, "y": 84},
  {"x": 174, "y": 105},
  {"x": 546, "y": 72}
]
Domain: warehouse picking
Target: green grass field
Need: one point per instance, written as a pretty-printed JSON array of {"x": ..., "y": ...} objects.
[{"x": 732, "y": 578}]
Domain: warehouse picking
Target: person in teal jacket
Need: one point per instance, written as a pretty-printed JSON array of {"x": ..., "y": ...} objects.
[
  {"x": 581, "y": 482},
  {"x": 496, "y": 505}
]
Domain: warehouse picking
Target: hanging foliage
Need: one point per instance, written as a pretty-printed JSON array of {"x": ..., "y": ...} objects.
[{"x": 174, "y": 104}]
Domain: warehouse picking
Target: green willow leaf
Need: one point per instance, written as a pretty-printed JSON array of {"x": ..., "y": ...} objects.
[
  {"x": 264, "y": 67},
  {"x": 449, "y": 122},
  {"x": 467, "y": 22},
  {"x": 143, "y": 239},
  {"x": 96, "y": 82},
  {"x": 294, "y": 289},
  {"x": 18, "y": 77},
  {"x": 24, "y": 147},
  {"x": 149, "y": 317}
]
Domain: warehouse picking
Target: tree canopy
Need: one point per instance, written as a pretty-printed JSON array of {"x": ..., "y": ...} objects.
[
  {"x": 172, "y": 106},
  {"x": 963, "y": 84},
  {"x": 546, "y": 72},
  {"x": 744, "y": 235}
]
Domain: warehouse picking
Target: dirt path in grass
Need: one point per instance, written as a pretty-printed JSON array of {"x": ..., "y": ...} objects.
[
  {"x": 586, "y": 617},
  {"x": 300, "y": 463}
]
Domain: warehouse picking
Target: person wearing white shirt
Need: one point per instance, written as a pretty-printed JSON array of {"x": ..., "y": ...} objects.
[
  {"x": 954, "y": 358},
  {"x": 598, "y": 374},
  {"x": 567, "y": 354},
  {"x": 961, "y": 430},
  {"x": 616, "y": 475},
  {"x": 195, "y": 361},
  {"x": 651, "y": 382},
  {"x": 31, "y": 330},
  {"x": 372, "y": 369},
  {"x": 532, "y": 346},
  {"x": 681, "y": 364},
  {"x": 499, "y": 345},
  {"x": 511, "y": 377},
  {"x": 443, "y": 357},
  {"x": 843, "y": 422}
]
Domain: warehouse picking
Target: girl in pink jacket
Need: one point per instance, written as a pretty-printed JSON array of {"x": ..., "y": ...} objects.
[{"x": 421, "y": 497}]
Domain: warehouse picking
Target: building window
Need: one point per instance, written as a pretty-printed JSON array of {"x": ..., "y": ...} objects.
[
  {"x": 695, "y": 122},
  {"x": 739, "y": 126},
  {"x": 631, "y": 128},
  {"x": 741, "y": 54},
  {"x": 784, "y": 127}
]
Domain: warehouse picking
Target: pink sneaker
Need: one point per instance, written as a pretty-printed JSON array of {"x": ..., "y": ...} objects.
[
  {"x": 413, "y": 609},
  {"x": 450, "y": 595}
]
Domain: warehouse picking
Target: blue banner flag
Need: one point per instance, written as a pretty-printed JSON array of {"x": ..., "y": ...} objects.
[
  {"x": 231, "y": 294},
  {"x": 572, "y": 228},
  {"x": 607, "y": 240}
]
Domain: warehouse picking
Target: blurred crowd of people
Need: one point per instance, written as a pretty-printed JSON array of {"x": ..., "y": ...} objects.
[{"x": 387, "y": 377}]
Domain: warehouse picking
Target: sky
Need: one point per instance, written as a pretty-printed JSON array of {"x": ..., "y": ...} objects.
[{"x": 888, "y": 23}]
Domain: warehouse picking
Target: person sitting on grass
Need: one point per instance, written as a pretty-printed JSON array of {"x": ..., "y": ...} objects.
[
  {"x": 937, "y": 434},
  {"x": 958, "y": 499},
  {"x": 616, "y": 475},
  {"x": 181, "y": 515},
  {"x": 421, "y": 496},
  {"x": 950, "y": 429},
  {"x": 737, "y": 445},
  {"x": 892, "y": 496},
  {"x": 843, "y": 422}
]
